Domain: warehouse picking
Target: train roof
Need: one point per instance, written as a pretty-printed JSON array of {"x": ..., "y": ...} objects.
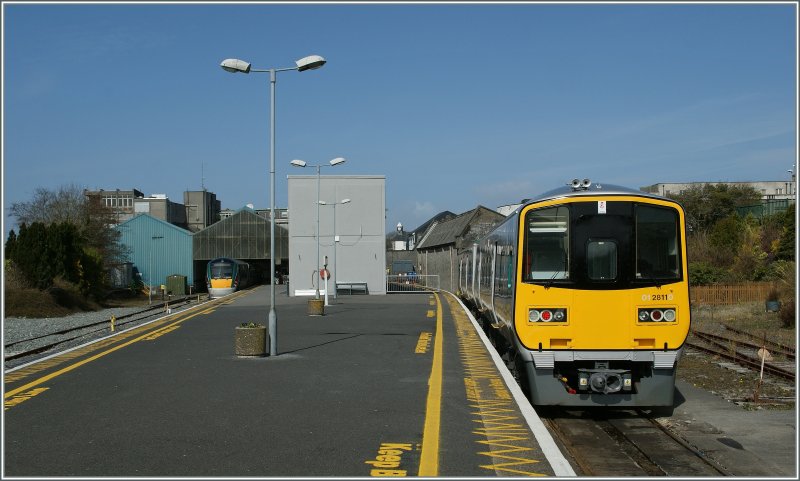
[{"x": 598, "y": 188}]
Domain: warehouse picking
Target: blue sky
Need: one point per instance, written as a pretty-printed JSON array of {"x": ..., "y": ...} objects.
[{"x": 456, "y": 104}]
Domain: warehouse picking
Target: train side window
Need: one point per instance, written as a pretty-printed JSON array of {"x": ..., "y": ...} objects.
[
  {"x": 601, "y": 260},
  {"x": 657, "y": 250},
  {"x": 546, "y": 255}
]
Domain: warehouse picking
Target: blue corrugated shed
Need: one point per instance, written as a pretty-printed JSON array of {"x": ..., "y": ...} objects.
[{"x": 157, "y": 249}]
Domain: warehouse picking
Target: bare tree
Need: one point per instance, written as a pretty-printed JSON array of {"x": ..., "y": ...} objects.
[
  {"x": 70, "y": 204},
  {"x": 67, "y": 204}
]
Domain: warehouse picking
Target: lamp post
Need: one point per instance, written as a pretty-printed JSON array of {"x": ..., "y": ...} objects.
[
  {"x": 335, "y": 240},
  {"x": 233, "y": 65},
  {"x": 150, "y": 271},
  {"x": 331, "y": 163}
]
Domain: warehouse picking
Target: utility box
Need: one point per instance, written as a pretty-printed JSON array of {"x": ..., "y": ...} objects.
[{"x": 176, "y": 285}]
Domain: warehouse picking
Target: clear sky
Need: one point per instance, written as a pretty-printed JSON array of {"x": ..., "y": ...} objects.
[{"x": 458, "y": 105}]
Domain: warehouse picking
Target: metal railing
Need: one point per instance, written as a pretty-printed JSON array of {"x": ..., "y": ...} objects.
[{"x": 411, "y": 284}]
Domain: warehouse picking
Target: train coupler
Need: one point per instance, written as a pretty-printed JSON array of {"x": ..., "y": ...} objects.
[{"x": 605, "y": 381}]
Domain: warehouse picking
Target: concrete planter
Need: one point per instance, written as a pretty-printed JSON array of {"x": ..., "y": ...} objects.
[
  {"x": 316, "y": 307},
  {"x": 251, "y": 341}
]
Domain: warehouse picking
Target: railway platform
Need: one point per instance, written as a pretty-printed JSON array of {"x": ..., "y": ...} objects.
[{"x": 380, "y": 386}]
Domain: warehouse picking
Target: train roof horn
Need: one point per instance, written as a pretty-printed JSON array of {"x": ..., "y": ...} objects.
[{"x": 578, "y": 184}]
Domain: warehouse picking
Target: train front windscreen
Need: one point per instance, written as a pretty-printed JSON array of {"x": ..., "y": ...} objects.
[{"x": 221, "y": 271}]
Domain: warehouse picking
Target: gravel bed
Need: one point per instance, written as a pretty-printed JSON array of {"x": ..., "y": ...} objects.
[
  {"x": 21, "y": 334},
  {"x": 17, "y": 329}
]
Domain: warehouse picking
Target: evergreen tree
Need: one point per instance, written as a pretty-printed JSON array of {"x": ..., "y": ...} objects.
[
  {"x": 11, "y": 244},
  {"x": 31, "y": 255},
  {"x": 786, "y": 245},
  {"x": 706, "y": 204}
]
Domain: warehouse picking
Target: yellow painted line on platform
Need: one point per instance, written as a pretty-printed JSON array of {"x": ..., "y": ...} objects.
[
  {"x": 429, "y": 459},
  {"x": 97, "y": 356},
  {"x": 29, "y": 370},
  {"x": 500, "y": 426},
  {"x": 423, "y": 343},
  {"x": 21, "y": 398}
]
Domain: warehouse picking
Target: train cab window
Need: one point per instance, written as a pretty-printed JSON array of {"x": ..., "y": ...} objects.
[
  {"x": 546, "y": 255},
  {"x": 657, "y": 249},
  {"x": 221, "y": 271},
  {"x": 601, "y": 260}
]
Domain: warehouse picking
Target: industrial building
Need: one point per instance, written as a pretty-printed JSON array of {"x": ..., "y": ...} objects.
[
  {"x": 121, "y": 202},
  {"x": 348, "y": 229},
  {"x": 157, "y": 249},
  {"x": 438, "y": 249},
  {"x": 160, "y": 207},
  {"x": 244, "y": 236},
  {"x": 770, "y": 190},
  {"x": 199, "y": 210},
  {"x": 202, "y": 209}
]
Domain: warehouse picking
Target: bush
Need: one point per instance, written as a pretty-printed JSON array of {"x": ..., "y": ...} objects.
[
  {"x": 787, "y": 314},
  {"x": 703, "y": 273}
]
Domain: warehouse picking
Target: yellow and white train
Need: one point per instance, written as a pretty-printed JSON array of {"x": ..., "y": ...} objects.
[
  {"x": 584, "y": 291},
  {"x": 225, "y": 276}
]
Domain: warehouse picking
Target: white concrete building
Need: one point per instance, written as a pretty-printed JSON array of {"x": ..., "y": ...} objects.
[{"x": 357, "y": 252}]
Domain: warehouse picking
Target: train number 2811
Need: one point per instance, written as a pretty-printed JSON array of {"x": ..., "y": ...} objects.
[{"x": 657, "y": 297}]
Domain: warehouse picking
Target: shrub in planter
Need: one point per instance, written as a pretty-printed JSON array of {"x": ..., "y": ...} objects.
[{"x": 250, "y": 339}]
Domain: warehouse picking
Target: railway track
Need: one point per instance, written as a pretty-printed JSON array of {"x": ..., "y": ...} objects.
[
  {"x": 787, "y": 351},
  {"x": 745, "y": 353},
  {"x": 63, "y": 338},
  {"x": 626, "y": 443}
]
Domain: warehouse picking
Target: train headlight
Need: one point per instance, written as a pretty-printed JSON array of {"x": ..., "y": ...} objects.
[
  {"x": 537, "y": 314},
  {"x": 657, "y": 315}
]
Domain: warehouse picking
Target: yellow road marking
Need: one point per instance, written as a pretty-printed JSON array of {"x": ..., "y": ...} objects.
[
  {"x": 78, "y": 364},
  {"x": 511, "y": 449},
  {"x": 429, "y": 459},
  {"x": 423, "y": 343},
  {"x": 155, "y": 335},
  {"x": 431, "y": 313},
  {"x": 21, "y": 398}
]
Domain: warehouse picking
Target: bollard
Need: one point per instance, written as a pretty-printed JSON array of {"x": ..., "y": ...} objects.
[{"x": 113, "y": 319}]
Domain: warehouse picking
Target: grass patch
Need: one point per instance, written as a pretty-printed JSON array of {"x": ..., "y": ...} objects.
[
  {"x": 59, "y": 300},
  {"x": 750, "y": 317}
]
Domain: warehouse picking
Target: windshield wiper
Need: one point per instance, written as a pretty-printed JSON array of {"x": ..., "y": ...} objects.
[{"x": 549, "y": 283}]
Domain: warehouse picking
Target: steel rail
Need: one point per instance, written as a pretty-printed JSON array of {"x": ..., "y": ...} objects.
[
  {"x": 788, "y": 351},
  {"x": 678, "y": 439},
  {"x": 782, "y": 350},
  {"x": 743, "y": 360},
  {"x": 93, "y": 324}
]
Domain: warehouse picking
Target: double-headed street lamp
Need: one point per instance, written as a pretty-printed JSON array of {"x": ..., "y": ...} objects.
[
  {"x": 335, "y": 240},
  {"x": 331, "y": 163},
  {"x": 233, "y": 65},
  {"x": 150, "y": 271}
]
